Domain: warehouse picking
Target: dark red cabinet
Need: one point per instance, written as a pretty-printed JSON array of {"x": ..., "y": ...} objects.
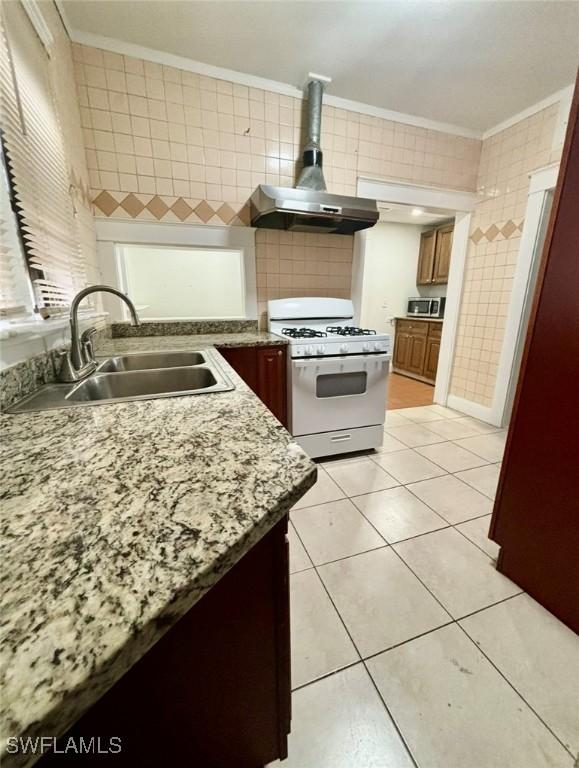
[
  {"x": 536, "y": 515},
  {"x": 264, "y": 370},
  {"x": 214, "y": 691}
]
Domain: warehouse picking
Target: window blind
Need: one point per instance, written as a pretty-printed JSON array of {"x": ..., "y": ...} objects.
[{"x": 37, "y": 164}]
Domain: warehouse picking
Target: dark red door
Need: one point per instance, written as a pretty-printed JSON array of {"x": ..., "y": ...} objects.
[{"x": 536, "y": 514}]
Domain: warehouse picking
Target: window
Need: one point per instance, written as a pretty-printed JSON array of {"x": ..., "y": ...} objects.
[
  {"x": 37, "y": 166},
  {"x": 172, "y": 283}
]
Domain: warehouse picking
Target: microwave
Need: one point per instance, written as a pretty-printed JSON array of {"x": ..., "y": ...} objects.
[{"x": 426, "y": 307}]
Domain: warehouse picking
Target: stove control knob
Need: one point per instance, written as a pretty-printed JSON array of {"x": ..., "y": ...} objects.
[
  {"x": 321, "y": 349},
  {"x": 366, "y": 347},
  {"x": 344, "y": 348},
  {"x": 309, "y": 350},
  {"x": 378, "y": 347}
]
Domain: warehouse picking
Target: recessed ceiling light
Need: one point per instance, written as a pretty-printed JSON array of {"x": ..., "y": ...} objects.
[{"x": 417, "y": 211}]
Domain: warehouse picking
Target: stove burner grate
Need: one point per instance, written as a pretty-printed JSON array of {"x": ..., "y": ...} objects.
[
  {"x": 302, "y": 333},
  {"x": 350, "y": 330}
]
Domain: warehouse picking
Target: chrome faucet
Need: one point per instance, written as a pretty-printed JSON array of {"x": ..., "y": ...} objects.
[{"x": 79, "y": 362}]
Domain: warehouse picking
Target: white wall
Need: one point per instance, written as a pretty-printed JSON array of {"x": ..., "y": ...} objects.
[{"x": 389, "y": 273}]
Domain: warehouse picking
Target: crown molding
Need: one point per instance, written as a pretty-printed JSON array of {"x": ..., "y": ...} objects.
[
  {"x": 253, "y": 81},
  {"x": 554, "y": 98}
]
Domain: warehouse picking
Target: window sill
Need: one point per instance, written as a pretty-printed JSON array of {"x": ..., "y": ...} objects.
[{"x": 22, "y": 329}]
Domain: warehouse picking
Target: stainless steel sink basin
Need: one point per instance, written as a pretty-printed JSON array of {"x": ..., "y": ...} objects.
[
  {"x": 150, "y": 360},
  {"x": 201, "y": 373},
  {"x": 163, "y": 381}
]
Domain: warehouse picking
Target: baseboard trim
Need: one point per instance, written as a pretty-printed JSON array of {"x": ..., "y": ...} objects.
[{"x": 476, "y": 410}]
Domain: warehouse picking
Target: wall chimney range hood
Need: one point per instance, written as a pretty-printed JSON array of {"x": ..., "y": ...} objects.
[{"x": 308, "y": 207}]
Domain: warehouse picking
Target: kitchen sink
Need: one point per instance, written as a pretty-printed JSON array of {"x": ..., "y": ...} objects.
[
  {"x": 199, "y": 373},
  {"x": 150, "y": 360},
  {"x": 155, "y": 383}
]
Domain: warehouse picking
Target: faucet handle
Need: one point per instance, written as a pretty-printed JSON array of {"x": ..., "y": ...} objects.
[{"x": 87, "y": 345}]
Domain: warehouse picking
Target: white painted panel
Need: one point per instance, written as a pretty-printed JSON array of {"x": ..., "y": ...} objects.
[{"x": 391, "y": 259}]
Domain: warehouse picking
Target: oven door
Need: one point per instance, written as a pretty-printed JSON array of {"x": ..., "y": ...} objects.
[{"x": 330, "y": 393}]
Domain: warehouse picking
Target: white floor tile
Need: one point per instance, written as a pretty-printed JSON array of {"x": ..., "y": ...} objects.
[
  {"x": 334, "y": 530},
  {"x": 324, "y": 490},
  {"x": 490, "y": 447},
  {"x": 444, "y": 412},
  {"x": 391, "y": 444},
  {"x": 362, "y": 476},
  {"x": 340, "y": 722},
  {"x": 413, "y": 435},
  {"x": 453, "y": 429},
  {"x": 483, "y": 479},
  {"x": 408, "y": 466},
  {"x": 481, "y": 427},
  {"x": 462, "y": 577},
  {"x": 395, "y": 419},
  {"x": 422, "y": 413},
  {"x": 537, "y": 654},
  {"x": 381, "y": 602},
  {"x": 398, "y": 514},
  {"x": 451, "y": 457},
  {"x": 454, "y": 500},
  {"x": 478, "y": 532},
  {"x": 319, "y": 642},
  {"x": 456, "y": 711},
  {"x": 298, "y": 557}
]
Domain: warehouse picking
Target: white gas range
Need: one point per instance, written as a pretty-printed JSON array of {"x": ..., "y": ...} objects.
[{"x": 337, "y": 375}]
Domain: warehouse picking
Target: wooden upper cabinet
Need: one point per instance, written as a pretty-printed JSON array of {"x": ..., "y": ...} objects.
[
  {"x": 442, "y": 254},
  {"x": 434, "y": 255},
  {"x": 426, "y": 258}
]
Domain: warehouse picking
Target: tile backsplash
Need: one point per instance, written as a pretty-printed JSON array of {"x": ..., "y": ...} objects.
[
  {"x": 167, "y": 144},
  {"x": 301, "y": 264},
  {"x": 495, "y": 239}
]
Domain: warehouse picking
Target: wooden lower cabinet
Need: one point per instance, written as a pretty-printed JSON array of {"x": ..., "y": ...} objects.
[
  {"x": 215, "y": 690},
  {"x": 264, "y": 370},
  {"x": 416, "y": 348},
  {"x": 431, "y": 359}
]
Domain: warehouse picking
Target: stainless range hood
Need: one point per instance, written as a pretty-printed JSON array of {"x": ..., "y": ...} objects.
[{"x": 308, "y": 207}]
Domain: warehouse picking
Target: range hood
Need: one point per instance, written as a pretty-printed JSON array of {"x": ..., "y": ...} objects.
[{"x": 308, "y": 207}]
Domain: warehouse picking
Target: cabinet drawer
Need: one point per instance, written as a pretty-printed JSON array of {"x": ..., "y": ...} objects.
[
  {"x": 412, "y": 326},
  {"x": 434, "y": 330}
]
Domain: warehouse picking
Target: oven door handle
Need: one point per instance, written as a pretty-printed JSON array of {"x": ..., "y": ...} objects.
[{"x": 307, "y": 363}]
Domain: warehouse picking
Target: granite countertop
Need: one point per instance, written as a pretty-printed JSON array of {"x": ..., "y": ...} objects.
[
  {"x": 193, "y": 342},
  {"x": 115, "y": 521},
  {"x": 423, "y": 319}
]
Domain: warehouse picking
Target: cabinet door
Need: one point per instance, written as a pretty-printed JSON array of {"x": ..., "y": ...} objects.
[
  {"x": 426, "y": 258},
  {"x": 417, "y": 353},
  {"x": 243, "y": 360},
  {"x": 402, "y": 345},
  {"x": 442, "y": 254},
  {"x": 431, "y": 358},
  {"x": 271, "y": 380}
]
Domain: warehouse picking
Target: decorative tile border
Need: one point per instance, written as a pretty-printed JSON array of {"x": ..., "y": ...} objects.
[
  {"x": 501, "y": 231},
  {"x": 162, "y": 208}
]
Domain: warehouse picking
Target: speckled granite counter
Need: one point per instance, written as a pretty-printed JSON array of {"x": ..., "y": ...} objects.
[{"x": 115, "y": 521}]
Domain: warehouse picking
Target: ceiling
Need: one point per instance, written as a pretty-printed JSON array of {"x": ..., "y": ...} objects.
[{"x": 472, "y": 64}]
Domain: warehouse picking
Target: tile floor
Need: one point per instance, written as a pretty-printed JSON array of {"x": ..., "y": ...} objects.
[{"x": 408, "y": 647}]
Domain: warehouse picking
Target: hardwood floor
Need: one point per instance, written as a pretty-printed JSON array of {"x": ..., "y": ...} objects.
[{"x": 404, "y": 392}]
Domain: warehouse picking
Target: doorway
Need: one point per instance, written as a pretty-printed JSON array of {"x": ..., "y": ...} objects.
[{"x": 407, "y": 213}]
